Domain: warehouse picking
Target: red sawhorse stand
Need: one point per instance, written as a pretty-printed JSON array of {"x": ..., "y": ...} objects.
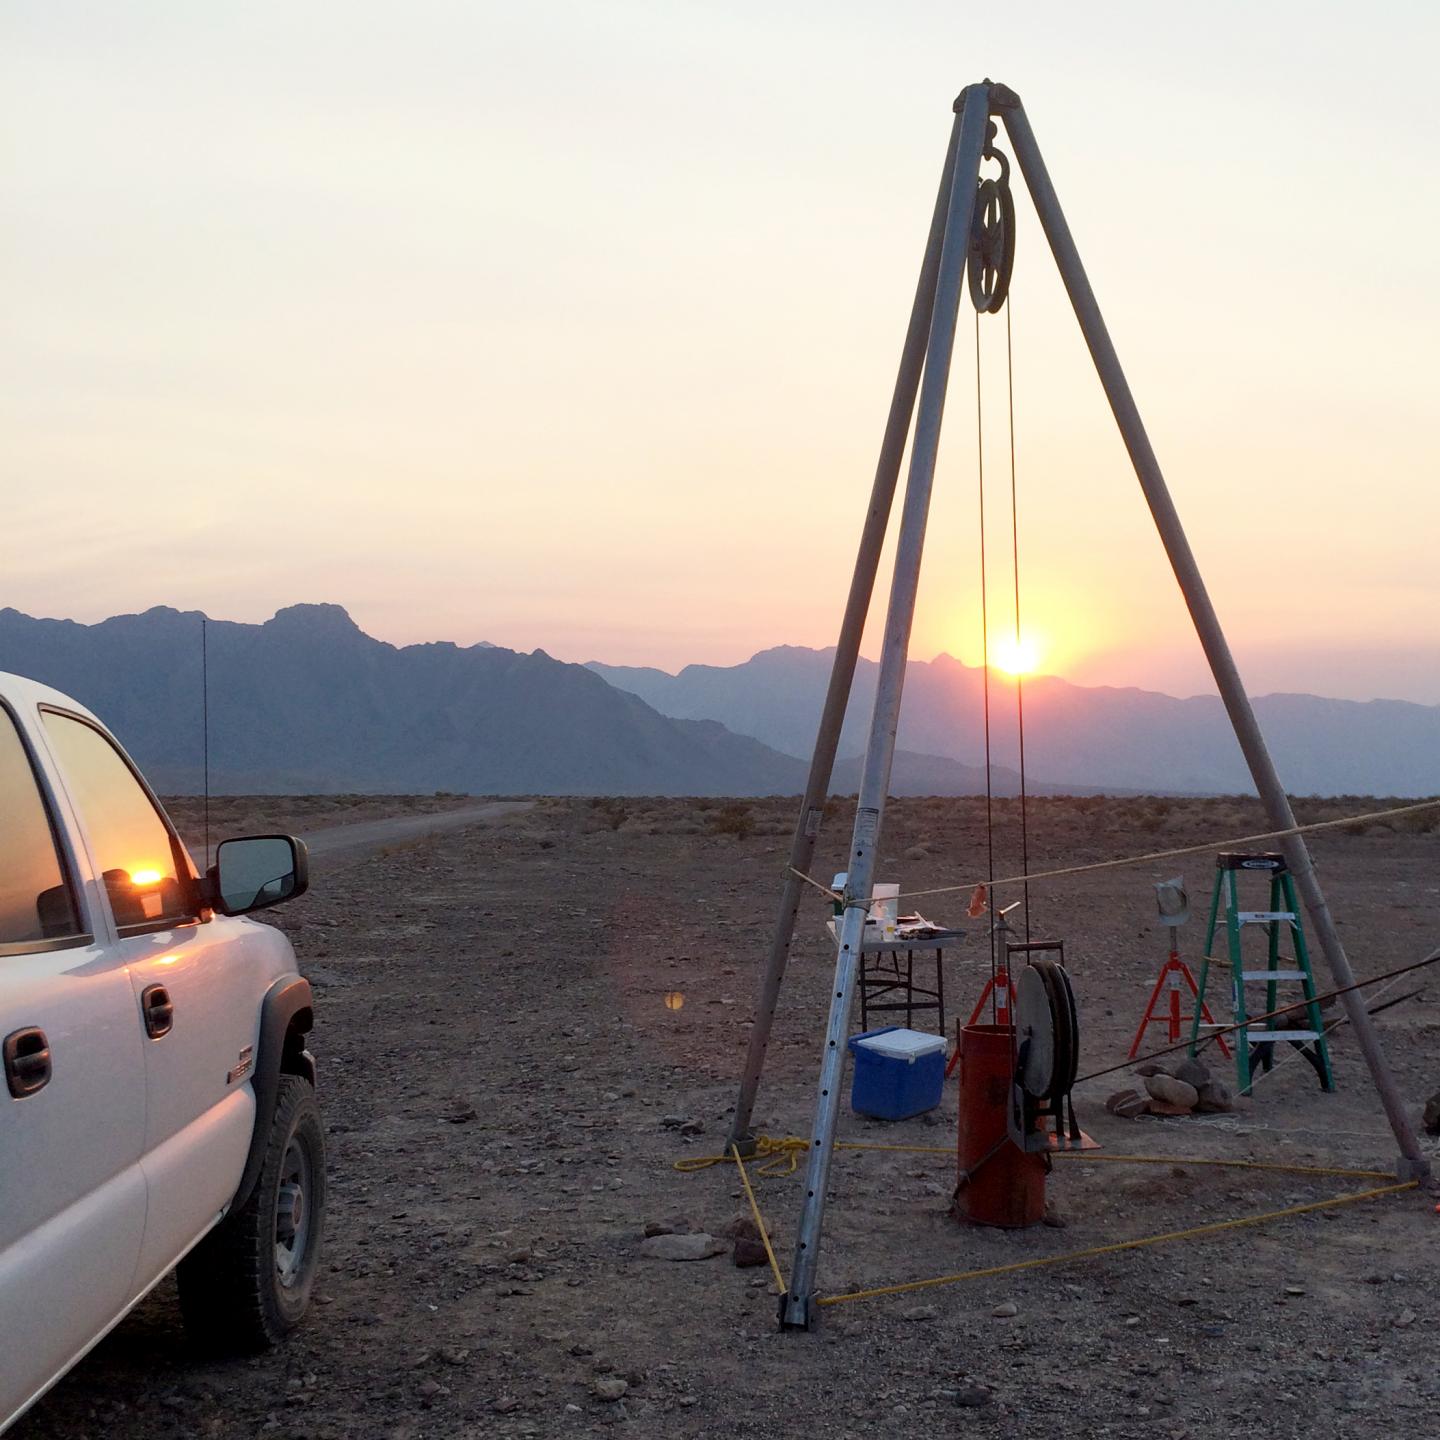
[
  {"x": 1002, "y": 988},
  {"x": 1173, "y": 974}
]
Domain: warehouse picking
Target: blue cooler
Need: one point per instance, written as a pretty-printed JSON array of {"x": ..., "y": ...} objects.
[{"x": 898, "y": 1072}]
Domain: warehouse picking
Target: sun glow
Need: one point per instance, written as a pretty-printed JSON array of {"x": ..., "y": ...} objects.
[
  {"x": 1015, "y": 656},
  {"x": 145, "y": 875}
]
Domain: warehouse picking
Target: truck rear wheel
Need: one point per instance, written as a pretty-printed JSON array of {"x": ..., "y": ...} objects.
[{"x": 247, "y": 1284}]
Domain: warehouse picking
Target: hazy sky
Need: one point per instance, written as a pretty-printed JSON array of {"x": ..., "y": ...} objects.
[{"x": 574, "y": 325}]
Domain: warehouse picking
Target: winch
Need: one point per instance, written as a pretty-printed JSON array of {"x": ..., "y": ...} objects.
[{"x": 1046, "y": 1045}]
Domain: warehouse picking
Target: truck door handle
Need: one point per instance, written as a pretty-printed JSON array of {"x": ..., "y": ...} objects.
[
  {"x": 27, "y": 1061},
  {"x": 158, "y": 1011}
]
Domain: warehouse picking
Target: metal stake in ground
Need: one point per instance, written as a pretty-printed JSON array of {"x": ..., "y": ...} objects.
[
  {"x": 847, "y": 651},
  {"x": 974, "y": 106},
  {"x": 1413, "y": 1164}
]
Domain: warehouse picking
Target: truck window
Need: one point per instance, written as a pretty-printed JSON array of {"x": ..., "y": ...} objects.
[
  {"x": 145, "y": 875},
  {"x": 36, "y": 902}
]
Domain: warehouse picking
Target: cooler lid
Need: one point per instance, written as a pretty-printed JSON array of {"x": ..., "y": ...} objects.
[{"x": 901, "y": 1044}]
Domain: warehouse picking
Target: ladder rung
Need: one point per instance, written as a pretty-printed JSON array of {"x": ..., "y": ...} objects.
[
  {"x": 1272, "y": 974},
  {"x": 1263, "y": 917},
  {"x": 1283, "y": 1034}
]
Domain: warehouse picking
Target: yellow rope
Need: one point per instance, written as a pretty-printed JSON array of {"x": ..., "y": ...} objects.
[
  {"x": 1114, "y": 1249},
  {"x": 897, "y": 1149},
  {"x": 784, "y": 1153},
  {"x": 759, "y": 1220},
  {"x": 1089, "y": 1155},
  {"x": 784, "y": 1150},
  {"x": 1145, "y": 859}
]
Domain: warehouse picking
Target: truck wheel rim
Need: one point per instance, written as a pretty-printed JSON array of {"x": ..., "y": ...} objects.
[{"x": 292, "y": 1213}]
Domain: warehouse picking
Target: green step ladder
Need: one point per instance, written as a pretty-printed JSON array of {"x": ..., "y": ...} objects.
[{"x": 1281, "y": 915}]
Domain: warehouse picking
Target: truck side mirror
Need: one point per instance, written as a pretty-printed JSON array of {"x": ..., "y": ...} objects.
[{"x": 254, "y": 872}]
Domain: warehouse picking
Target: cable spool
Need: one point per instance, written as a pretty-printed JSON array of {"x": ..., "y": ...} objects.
[
  {"x": 1047, "y": 1055},
  {"x": 1047, "y": 1032}
]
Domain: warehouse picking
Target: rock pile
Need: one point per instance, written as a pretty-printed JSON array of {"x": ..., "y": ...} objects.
[
  {"x": 1180, "y": 1085},
  {"x": 1432, "y": 1114}
]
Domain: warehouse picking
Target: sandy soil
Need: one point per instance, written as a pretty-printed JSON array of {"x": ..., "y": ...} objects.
[
  {"x": 295, "y": 814},
  {"x": 504, "y": 1083}
]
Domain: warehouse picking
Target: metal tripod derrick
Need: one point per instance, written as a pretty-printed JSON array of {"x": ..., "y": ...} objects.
[{"x": 955, "y": 245}]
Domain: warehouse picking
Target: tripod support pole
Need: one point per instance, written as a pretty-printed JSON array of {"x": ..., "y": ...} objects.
[
  {"x": 974, "y": 107},
  {"x": 847, "y": 652},
  {"x": 1412, "y": 1164}
]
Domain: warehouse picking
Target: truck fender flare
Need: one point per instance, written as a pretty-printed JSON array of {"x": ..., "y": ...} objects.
[{"x": 287, "y": 1015}]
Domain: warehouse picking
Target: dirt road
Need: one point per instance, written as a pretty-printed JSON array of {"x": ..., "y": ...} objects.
[{"x": 337, "y": 843}]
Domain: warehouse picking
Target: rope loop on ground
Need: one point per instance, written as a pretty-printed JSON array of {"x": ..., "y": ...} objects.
[{"x": 781, "y": 1154}]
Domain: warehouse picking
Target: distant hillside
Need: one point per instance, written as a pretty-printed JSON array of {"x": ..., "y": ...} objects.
[
  {"x": 309, "y": 703},
  {"x": 1076, "y": 737}
]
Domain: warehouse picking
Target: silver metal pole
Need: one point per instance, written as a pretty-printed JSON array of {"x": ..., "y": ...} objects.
[
  {"x": 1412, "y": 1164},
  {"x": 847, "y": 652},
  {"x": 797, "y": 1309}
]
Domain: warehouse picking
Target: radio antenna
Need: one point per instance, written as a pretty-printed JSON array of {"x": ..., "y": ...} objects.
[{"x": 205, "y": 725}]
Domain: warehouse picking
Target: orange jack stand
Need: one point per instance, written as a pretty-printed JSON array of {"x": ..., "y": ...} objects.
[
  {"x": 1172, "y": 973},
  {"x": 1002, "y": 988}
]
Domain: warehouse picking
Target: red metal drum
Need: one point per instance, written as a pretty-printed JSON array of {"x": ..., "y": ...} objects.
[{"x": 1008, "y": 1189}]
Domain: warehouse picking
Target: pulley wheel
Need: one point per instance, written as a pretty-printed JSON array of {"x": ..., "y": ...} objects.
[
  {"x": 1034, "y": 1033},
  {"x": 992, "y": 242}
]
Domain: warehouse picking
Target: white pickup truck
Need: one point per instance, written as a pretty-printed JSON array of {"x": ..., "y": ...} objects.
[{"x": 158, "y": 1105}]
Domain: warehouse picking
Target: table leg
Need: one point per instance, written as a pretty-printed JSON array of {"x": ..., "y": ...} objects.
[{"x": 940, "y": 984}]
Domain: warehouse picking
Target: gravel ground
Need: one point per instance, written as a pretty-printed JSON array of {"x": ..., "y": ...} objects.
[
  {"x": 522, "y": 1027},
  {"x": 296, "y": 814}
]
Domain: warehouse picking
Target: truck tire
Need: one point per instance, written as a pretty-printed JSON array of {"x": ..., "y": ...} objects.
[{"x": 247, "y": 1284}]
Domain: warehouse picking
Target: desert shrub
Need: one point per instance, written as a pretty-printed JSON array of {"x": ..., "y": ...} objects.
[
  {"x": 610, "y": 811},
  {"x": 1149, "y": 814},
  {"x": 734, "y": 819},
  {"x": 1425, "y": 822}
]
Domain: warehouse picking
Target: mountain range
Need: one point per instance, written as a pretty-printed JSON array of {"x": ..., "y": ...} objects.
[
  {"x": 307, "y": 702},
  {"x": 1078, "y": 738}
]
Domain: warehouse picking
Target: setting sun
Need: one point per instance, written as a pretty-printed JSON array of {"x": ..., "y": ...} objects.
[{"x": 1015, "y": 656}]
